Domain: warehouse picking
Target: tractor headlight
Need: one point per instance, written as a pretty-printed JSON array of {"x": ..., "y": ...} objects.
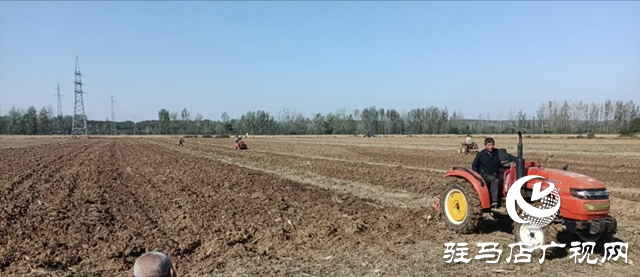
[{"x": 592, "y": 194}]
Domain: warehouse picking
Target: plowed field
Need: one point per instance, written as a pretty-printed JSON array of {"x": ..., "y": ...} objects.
[{"x": 285, "y": 207}]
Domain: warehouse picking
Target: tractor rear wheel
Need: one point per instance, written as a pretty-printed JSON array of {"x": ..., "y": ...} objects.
[{"x": 461, "y": 208}]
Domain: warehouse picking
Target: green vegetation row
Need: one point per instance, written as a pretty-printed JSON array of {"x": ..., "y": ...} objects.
[{"x": 551, "y": 118}]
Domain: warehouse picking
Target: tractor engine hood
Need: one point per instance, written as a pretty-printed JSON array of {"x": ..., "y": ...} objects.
[
  {"x": 583, "y": 197},
  {"x": 565, "y": 180}
]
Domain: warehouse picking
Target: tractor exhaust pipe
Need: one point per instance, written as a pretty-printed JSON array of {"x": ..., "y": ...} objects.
[{"x": 519, "y": 159}]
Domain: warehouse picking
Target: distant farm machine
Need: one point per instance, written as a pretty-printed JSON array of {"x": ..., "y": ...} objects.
[
  {"x": 584, "y": 203},
  {"x": 239, "y": 144},
  {"x": 466, "y": 148}
]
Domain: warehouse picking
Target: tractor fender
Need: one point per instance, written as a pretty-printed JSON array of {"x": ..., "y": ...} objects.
[{"x": 475, "y": 180}]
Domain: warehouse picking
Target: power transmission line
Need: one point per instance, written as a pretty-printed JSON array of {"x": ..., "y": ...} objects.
[
  {"x": 17, "y": 63},
  {"x": 32, "y": 58}
]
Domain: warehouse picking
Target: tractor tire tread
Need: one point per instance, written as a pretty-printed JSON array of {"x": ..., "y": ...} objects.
[{"x": 473, "y": 221}]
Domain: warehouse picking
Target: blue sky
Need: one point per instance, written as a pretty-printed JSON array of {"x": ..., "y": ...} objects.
[{"x": 307, "y": 56}]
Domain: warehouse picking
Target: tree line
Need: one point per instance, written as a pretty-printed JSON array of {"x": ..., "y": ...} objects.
[{"x": 566, "y": 117}]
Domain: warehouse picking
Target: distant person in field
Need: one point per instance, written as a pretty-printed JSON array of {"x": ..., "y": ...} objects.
[
  {"x": 181, "y": 143},
  {"x": 469, "y": 142},
  {"x": 153, "y": 264}
]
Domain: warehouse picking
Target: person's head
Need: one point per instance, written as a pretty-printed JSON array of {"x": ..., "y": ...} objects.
[
  {"x": 489, "y": 144},
  {"x": 153, "y": 264}
]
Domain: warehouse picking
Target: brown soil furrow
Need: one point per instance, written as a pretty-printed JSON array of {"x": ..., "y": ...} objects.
[
  {"x": 313, "y": 157},
  {"x": 532, "y": 146},
  {"x": 36, "y": 207},
  {"x": 9, "y": 142},
  {"x": 619, "y": 170},
  {"x": 223, "y": 212},
  {"x": 355, "y": 188},
  {"x": 109, "y": 208},
  {"x": 444, "y": 235},
  {"x": 435, "y": 159},
  {"x": 423, "y": 183},
  {"x": 17, "y": 160},
  {"x": 291, "y": 212},
  {"x": 18, "y": 182}
]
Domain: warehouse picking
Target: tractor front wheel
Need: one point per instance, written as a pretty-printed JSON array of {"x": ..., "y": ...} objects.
[
  {"x": 536, "y": 237},
  {"x": 461, "y": 208},
  {"x": 585, "y": 236}
]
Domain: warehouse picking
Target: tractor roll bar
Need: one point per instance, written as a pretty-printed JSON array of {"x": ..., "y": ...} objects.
[{"x": 519, "y": 159}]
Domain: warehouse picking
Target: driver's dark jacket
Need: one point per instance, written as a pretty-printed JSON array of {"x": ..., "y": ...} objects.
[{"x": 486, "y": 163}]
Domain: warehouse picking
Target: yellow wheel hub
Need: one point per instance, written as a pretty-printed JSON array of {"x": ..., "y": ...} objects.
[{"x": 457, "y": 206}]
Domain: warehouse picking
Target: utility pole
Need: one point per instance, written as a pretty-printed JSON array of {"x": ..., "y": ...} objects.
[
  {"x": 79, "y": 125},
  {"x": 59, "y": 119},
  {"x": 135, "y": 125},
  {"x": 113, "y": 118},
  {"x": 59, "y": 101}
]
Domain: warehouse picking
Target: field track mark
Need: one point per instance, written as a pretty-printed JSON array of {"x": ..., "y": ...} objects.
[
  {"x": 334, "y": 159},
  {"x": 446, "y": 147},
  {"x": 628, "y": 190},
  {"x": 8, "y": 143},
  {"x": 629, "y": 194},
  {"x": 615, "y": 193},
  {"x": 436, "y": 170},
  {"x": 361, "y": 190}
]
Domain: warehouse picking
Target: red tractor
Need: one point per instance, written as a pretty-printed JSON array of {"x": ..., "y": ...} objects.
[
  {"x": 239, "y": 144},
  {"x": 584, "y": 203},
  {"x": 466, "y": 148}
]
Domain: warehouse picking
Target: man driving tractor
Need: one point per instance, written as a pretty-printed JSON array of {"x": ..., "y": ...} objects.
[{"x": 488, "y": 163}]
